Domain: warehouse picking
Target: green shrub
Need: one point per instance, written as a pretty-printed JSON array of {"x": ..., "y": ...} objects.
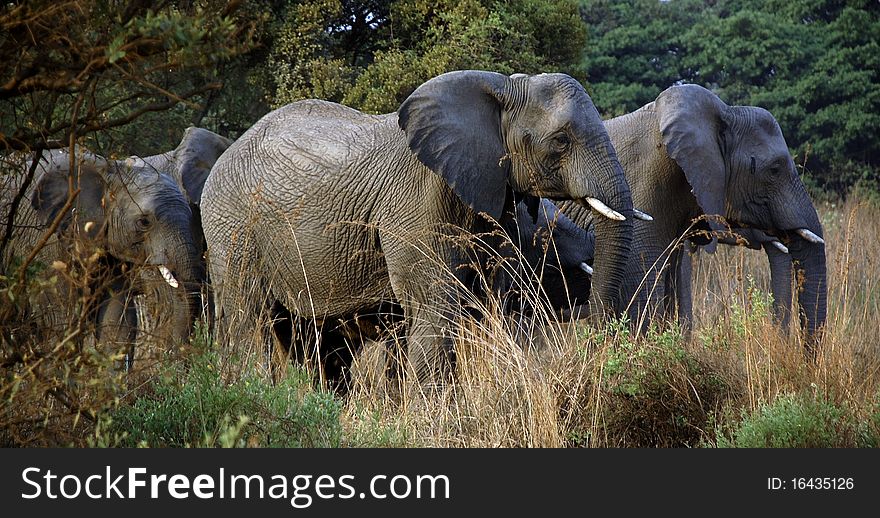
[
  {"x": 797, "y": 421},
  {"x": 192, "y": 405},
  {"x": 370, "y": 430},
  {"x": 654, "y": 391}
]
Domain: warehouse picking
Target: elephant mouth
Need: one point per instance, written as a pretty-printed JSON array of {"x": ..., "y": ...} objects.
[
  {"x": 809, "y": 236},
  {"x": 608, "y": 212},
  {"x": 601, "y": 208},
  {"x": 793, "y": 235},
  {"x": 165, "y": 273},
  {"x": 789, "y": 236}
]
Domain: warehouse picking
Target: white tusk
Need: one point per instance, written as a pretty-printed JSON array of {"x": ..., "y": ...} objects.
[
  {"x": 586, "y": 268},
  {"x": 782, "y": 248},
  {"x": 644, "y": 216},
  {"x": 809, "y": 236},
  {"x": 605, "y": 210},
  {"x": 169, "y": 278},
  {"x": 89, "y": 226}
]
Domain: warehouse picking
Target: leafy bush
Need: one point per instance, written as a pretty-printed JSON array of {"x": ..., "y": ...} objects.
[
  {"x": 798, "y": 421},
  {"x": 192, "y": 405},
  {"x": 654, "y": 391}
]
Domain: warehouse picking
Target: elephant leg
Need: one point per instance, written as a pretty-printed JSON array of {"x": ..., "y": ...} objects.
[
  {"x": 676, "y": 289},
  {"x": 243, "y": 306},
  {"x": 645, "y": 281},
  {"x": 217, "y": 266},
  {"x": 647, "y": 301},
  {"x": 424, "y": 291},
  {"x": 285, "y": 329},
  {"x": 668, "y": 298},
  {"x": 683, "y": 289},
  {"x": 430, "y": 348}
]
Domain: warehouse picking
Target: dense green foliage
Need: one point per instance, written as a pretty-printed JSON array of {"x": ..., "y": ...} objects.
[
  {"x": 88, "y": 69},
  {"x": 371, "y": 55},
  {"x": 192, "y": 405},
  {"x": 798, "y": 421},
  {"x": 813, "y": 63}
]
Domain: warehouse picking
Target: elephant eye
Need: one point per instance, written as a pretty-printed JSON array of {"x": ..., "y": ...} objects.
[
  {"x": 143, "y": 223},
  {"x": 561, "y": 140}
]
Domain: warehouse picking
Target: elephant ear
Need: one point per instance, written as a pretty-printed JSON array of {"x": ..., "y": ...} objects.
[
  {"x": 691, "y": 123},
  {"x": 53, "y": 189},
  {"x": 453, "y": 125},
  {"x": 530, "y": 202},
  {"x": 197, "y": 152}
]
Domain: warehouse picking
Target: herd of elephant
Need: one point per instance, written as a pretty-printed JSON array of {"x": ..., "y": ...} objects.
[{"x": 320, "y": 213}]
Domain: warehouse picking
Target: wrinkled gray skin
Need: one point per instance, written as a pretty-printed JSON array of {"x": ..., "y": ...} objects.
[
  {"x": 140, "y": 212},
  {"x": 546, "y": 266},
  {"x": 352, "y": 209},
  {"x": 687, "y": 154}
]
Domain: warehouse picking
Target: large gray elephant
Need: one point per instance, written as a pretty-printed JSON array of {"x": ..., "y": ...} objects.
[
  {"x": 137, "y": 214},
  {"x": 329, "y": 211},
  {"x": 544, "y": 271},
  {"x": 688, "y": 154}
]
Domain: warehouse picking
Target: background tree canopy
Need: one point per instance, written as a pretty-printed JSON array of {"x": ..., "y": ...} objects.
[
  {"x": 814, "y": 64},
  {"x": 148, "y": 69}
]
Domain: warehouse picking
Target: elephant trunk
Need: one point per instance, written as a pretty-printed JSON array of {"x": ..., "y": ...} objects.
[
  {"x": 174, "y": 290},
  {"x": 798, "y": 217},
  {"x": 613, "y": 242},
  {"x": 809, "y": 263}
]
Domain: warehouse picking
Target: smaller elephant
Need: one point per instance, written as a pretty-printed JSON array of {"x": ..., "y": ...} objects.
[
  {"x": 557, "y": 257},
  {"x": 130, "y": 231}
]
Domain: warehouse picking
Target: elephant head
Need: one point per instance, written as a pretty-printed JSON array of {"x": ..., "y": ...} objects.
[
  {"x": 739, "y": 167},
  {"x": 486, "y": 133},
  {"x": 189, "y": 165},
  {"x": 140, "y": 217},
  {"x": 559, "y": 254}
]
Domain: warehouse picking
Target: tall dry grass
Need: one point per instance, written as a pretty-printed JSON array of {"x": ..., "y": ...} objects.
[
  {"x": 586, "y": 386},
  {"x": 534, "y": 382}
]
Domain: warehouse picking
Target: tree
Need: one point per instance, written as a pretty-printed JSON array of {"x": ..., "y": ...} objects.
[
  {"x": 812, "y": 63},
  {"x": 77, "y": 67},
  {"x": 371, "y": 55},
  {"x": 634, "y": 50}
]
